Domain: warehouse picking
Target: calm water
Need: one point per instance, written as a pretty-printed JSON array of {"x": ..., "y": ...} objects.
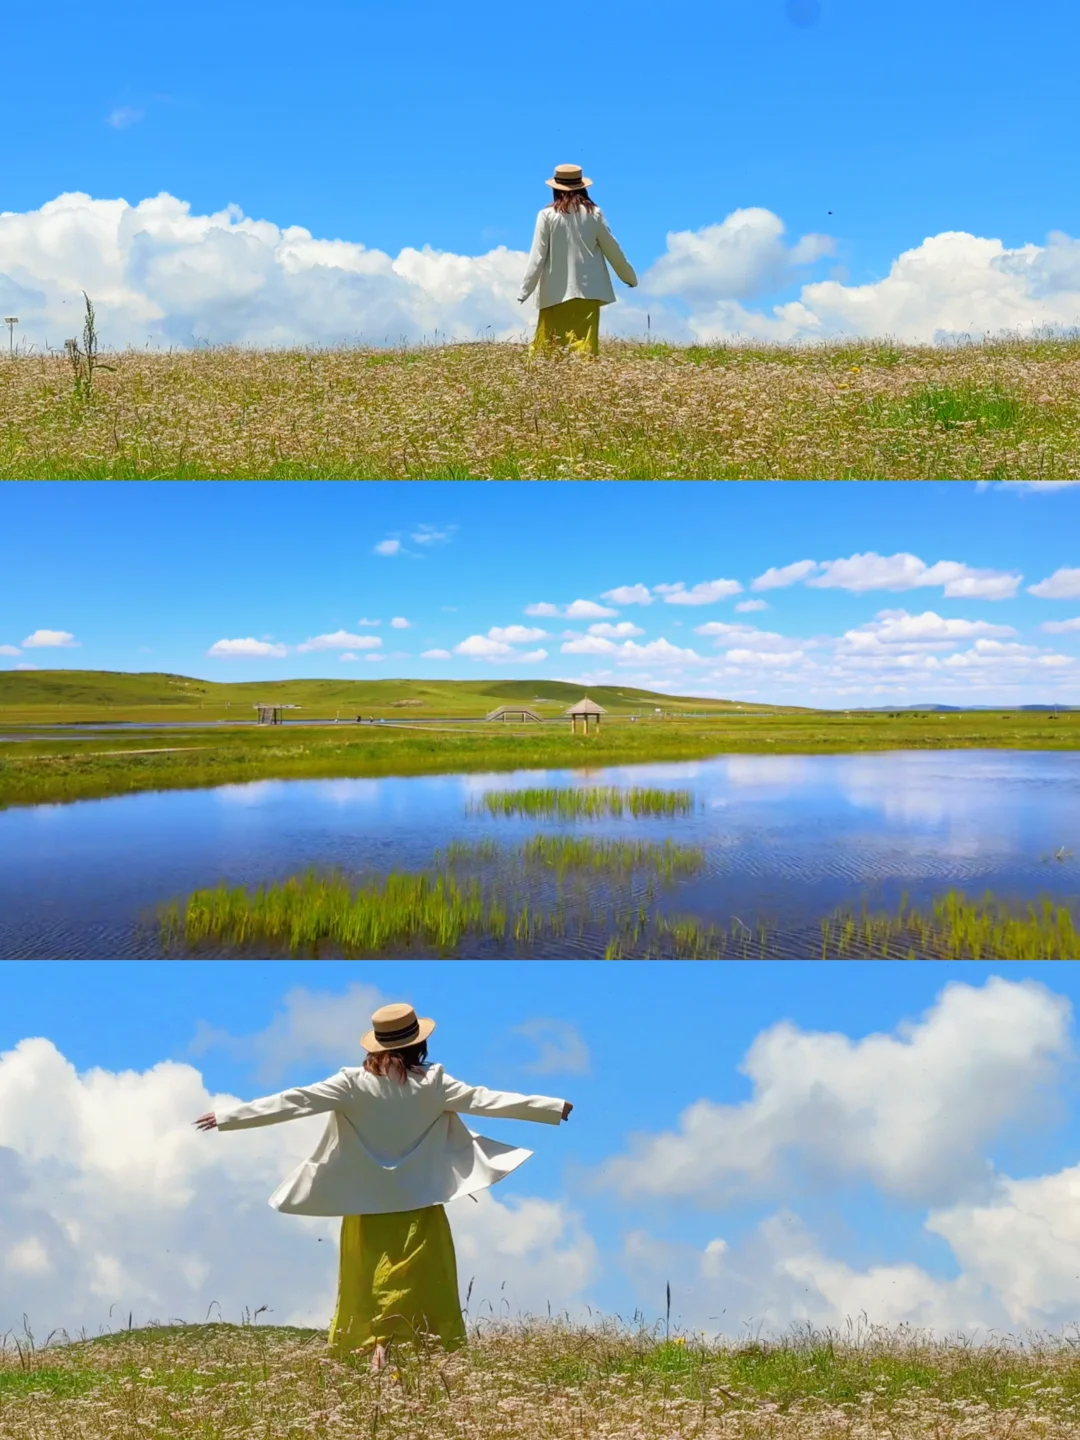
[{"x": 787, "y": 839}]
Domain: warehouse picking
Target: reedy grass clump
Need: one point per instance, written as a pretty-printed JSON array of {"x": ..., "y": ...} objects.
[
  {"x": 571, "y": 853},
  {"x": 956, "y": 928},
  {"x": 592, "y": 802},
  {"x": 306, "y": 912},
  {"x": 517, "y": 1380}
]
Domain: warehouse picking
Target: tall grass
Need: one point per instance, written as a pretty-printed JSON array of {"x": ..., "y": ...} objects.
[
  {"x": 564, "y": 853},
  {"x": 956, "y": 928},
  {"x": 584, "y": 803},
  {"x": 857, "y": 411},
  {"x": 523, "y": 1379}
]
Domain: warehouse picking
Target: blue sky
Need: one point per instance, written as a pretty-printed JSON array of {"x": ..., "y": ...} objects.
[
  {"x": 891, "y": 1135},
  {"x": 876, "y": 126},
  {"x": 825, "y": 593}
]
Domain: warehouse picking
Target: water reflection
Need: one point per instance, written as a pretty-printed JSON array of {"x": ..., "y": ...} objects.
[{"x": 784, "y": 837}]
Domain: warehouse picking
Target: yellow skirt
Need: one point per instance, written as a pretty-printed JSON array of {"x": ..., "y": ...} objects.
[
  {"x": 574, "y": 325},
  {"x": 397, "y": 1280}
]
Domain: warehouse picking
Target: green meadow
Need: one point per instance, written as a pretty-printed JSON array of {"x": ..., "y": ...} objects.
[
  {"x": 200, "y": 751},
  {"x": 868, "y": 410},
  {"x": 518, "y": 1379}
]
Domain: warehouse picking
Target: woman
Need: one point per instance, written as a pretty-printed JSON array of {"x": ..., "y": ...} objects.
[
  {"x": 571, "y": 246},
  {"x": 393, "y": 1153}
]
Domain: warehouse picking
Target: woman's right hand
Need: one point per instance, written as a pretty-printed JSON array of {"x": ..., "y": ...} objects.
[
  {"x": 567, "y": 1107},
  {"x": 207, "y": 1121}
]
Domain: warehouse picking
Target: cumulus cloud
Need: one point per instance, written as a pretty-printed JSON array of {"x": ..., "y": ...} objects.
[
  {"x": 400, "y": 623},
  {"x": 246, "y": 649},
  {"x": 560, "y": 1048},
  {"x": 776, "y": 578},
  {"x": 1063, "y": 584},
  {"x": 435, "y": 655},
  {"x": 871, "y": 571},
  {"x": 707, "y": 592},
  {"x": 908, "y": 1111},
  {"x": 622, "y": 631},
  {"x": 388, "y": 547},
  {"x": 10, "y": 650},
  {"x": 744, "y": 607},
  {"x": 480, "y": 647},
  {"x": 516, "y": 634},
  {"x": 587, "y": 610},
  {"x": 110, "y": 1197},
  {"x": 340, "y": 640},
  {"x": 159, "y": 272},
  {"x": 628, "y": 595},
  {"x": 928, "y": 630},
  {"x": 46, "y": 639},
  {"x": 542, "y": 608},
  {"x": 1061, "y": 627}
]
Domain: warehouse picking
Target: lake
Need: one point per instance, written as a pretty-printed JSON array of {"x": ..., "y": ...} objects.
[{"x": 786, "y": 839}]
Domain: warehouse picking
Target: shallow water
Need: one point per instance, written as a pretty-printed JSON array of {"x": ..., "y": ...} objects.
[{"x": 787, "y": 838}]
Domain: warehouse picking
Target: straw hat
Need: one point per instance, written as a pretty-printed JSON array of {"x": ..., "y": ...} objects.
[
  {"x": 395, "y": 1027},
  {"x": 568, "y": 177}
]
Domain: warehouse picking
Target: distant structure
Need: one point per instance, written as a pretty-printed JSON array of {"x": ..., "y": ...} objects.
[
  {"x": 514, "y": 712},
  {"x": 271, "y": 714},
  {"x": 584, "y": 710}
]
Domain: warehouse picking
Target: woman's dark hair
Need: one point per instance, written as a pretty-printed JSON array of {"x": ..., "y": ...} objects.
[
  {"x": 397, "y": 1063},
  {"x": 567, "y": 200}
]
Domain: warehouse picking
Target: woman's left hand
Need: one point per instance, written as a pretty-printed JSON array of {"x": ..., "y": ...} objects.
[{"x": 207, "y": 1121}]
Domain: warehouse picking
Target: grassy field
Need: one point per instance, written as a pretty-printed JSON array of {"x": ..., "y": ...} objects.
[
  {"x": 1006, "y": 410},
  {"x": 529, "y": 1379},
  {"x": 50, "y": 771}
]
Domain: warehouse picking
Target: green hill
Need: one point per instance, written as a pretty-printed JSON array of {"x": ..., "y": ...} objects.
[{"x": 48, "y": 696}]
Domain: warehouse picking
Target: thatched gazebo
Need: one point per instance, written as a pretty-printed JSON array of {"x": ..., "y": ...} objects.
[
  {"x": 514, "y": 712},
  {"x": 584, "y": 709}
]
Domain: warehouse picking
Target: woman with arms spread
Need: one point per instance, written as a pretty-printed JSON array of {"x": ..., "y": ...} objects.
[
  {"x": 393, "y": 1153},
  {"x": 568, "y": 266}
]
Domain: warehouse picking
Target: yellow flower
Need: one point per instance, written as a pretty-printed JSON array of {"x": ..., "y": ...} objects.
[{"x": 680, "y": 1339}]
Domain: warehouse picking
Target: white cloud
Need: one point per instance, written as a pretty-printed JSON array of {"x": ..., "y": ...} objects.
[
  {"x": 10, "y": 650},
  {"x": 871, "y": 571},
  {"x": 1063, "y": 584},
  {"x": 909, "y": 1111},
  {"x": 400, "y": 623},
  {"x": 430, "y": 535},
  {"x": 561, "y": 1050},
  {"x": 542, "y": 608},
  {"x": 746, "y": 635},
  {"x": 369, "y": 622},
  {"x": 156, "y": 269},
  {"x": 1061, "y": 627},
  {"x": 388, "y": 547},
  {"x": 110, "y": 1197},
  {"x": 587, "y": 610},
  {"x": 589, "y": 645},
  {"x": 745, "y": 255},
  {"x": 930, "y": 630},
  {"x": 516, "y": 634},
  {"x": 312, "y": 1026},
  {"x": 623, "y": 630},
  {"x": 44, "y": 639},
  {"x": 246, "y": 649},
  {"x": 479, "y": 647},
  {"x": 776, "y": 578},
  {"x": 628, "y": 595},
  {"x": 745, "y": 606},
  {"x": 532, "y": 657},
  {"x": 340, "y": 640},
  {"x": 123, "y": 117},
  {"x": 26, "y": 666},
  {"x": 705, "y": 593},
  {"x": 656, "y": 652},
  {"x": 435, "y": 655}
]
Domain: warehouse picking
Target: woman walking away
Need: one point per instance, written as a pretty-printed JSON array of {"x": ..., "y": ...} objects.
[
  {"x": 393, "y": 1153},
  {"x": 570, "y": 249}
]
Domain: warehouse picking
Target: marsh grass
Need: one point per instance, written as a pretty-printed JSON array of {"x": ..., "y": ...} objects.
[
  {"x": 587, "y": 802},
  {"x": 306, "y": 912},
  {"x": 956, "y": 928},
  {"x": 563, "y": 854},
  {"x": 525, "y": 1378},
  {"x": 865, "y": 410}
]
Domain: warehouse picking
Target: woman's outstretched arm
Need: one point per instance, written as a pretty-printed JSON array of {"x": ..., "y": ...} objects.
[
  {"x": 465, "y": 1099},
  {"x": 537, "y": 257},
  {"x": 292, "y": 1104},
  {"x": 612, "y": 253}
]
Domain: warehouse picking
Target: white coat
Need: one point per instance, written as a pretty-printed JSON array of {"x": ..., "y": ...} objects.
[
  {"x": 568, "y": 259},
  {"x": 390, "y": 1147}
]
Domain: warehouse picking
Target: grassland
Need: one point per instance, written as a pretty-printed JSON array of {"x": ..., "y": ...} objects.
[
  {"x": 53, "y": 771},
  {"x": 517, "y": 1380},
  {"x": 1007, "y": 410}
]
